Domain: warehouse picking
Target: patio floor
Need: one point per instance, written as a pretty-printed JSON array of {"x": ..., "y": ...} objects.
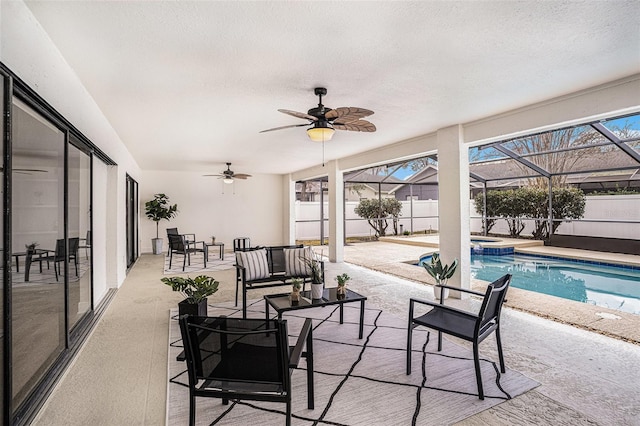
[{"x": 120, "y": 374}]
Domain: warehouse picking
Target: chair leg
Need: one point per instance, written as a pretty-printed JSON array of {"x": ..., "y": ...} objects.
[
  {"x": 75, "y": 261},
  {"x": 170, "y": 258},
  {"x": 409, "y": 335},
  {"x": 501, "y": 357},
  {"x": 55, "y": 269},
  {"x": 439, "y": 341},
  {"x": 289, "y": 411},
  {"x": 476, "y": 361},
  {"x": 310, "y": 385},
  {"x": 192, "y": 410},
  {"x": 184, "y": 261}
]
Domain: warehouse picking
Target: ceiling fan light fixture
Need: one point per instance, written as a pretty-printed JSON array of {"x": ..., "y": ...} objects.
[
  {"x": 228, "y": 180},
  {"x": 321, "y": 132}
]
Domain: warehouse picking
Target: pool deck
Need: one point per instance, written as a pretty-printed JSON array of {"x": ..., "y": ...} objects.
[{"x": 397, "y": 256}]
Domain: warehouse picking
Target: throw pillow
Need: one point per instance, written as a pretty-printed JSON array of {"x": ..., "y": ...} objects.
[
  {"x": 294, "y": 264},
  {"x": 254, "y": 263}
]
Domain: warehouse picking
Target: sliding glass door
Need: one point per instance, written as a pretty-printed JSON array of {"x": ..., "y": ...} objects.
[
  {"x": 37, "y": 247},
  {"x": 80, "y": 236}
]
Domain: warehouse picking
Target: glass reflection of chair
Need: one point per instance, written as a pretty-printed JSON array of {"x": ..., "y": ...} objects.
[
  {"x": 87, "y": 244},
  {"x": 235, "y": 359},
  {"x": 60, "y": 255},
  {"x": 178, "y": 244}
]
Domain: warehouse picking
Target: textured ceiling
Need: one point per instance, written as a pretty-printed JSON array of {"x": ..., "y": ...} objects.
[{"x": 188, "y": 85}]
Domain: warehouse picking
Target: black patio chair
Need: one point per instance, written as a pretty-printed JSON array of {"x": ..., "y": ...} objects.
[
  {"x": 187, "y": 237},
  {"x": 59, "y": 255},
  {"x": 243, "y": 359},
  {"x": 465, "y": 325},
  {"x": 86, "y": 245},
  {"x": 179, "y": 245}
]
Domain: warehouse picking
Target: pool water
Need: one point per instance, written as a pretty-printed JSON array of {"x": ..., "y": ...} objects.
[{"x": 608, "y": 286}]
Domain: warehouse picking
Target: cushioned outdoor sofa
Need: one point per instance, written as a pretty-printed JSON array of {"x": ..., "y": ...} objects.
[{"x": 263, "y": 267}]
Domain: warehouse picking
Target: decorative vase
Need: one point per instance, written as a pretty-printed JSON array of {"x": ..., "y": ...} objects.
[
  {"x": 194, "y": 309},
  {"x": 437, "y": 290},
  {"x": 213, "y": 240},
  {"x": 317, "y": 290},
  {"x": 341, "y": 292}
]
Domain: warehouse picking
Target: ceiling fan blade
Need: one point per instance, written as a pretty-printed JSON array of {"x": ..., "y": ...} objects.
[
  {"x": 347, "y": 114},
  {"x": 299, "y": 114},
  {"x": 240, "y": 176},
  {"x": 356, "y": 126},
  {"x": 214, "y": 175},
  {"x": 284, "y": 127}
]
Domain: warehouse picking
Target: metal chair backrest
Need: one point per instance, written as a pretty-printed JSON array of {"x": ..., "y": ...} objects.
[
  {"x": 239, "y": 354},
  {"x": 176, "y": 243},
  {"x": 489, "y": 314}
]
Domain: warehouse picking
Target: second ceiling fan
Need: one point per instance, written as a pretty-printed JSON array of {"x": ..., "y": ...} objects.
[
  {"x": 324, "y": 121},
  {"x": 228, "y": 176}
]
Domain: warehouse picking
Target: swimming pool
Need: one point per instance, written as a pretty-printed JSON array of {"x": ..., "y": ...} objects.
[{"x": 601, "y": 285}]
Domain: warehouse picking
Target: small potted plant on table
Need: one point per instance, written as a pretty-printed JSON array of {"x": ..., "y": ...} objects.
[
  {"x": 441, "y": 273},
  {"x": 195, "y": 290},
  {"x": 341, "y": 291},
  {"x": 296, "y": 285},
  {"x": 317, "y": 280}
]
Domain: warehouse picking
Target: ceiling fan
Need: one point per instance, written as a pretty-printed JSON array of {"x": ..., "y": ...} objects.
[
  {"x": 324, "y": 121},
  {"x": 228, "y": 175}
]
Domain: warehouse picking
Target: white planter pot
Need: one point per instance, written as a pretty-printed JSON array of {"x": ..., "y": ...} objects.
[
  {"x": 316, "y": 291},
  {"x": 437, "y": 290},
  {"x": 156, "y": 243}
]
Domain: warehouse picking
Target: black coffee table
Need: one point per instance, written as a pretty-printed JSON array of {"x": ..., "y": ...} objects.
[{"x": 281, "y": 303}]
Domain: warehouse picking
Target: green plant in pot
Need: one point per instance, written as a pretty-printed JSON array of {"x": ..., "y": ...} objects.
[
  {"x": 296, "y": 286},
  {"x": 342, "y": 279},
  {"x": 157, "y": 210},
  {"x": 195, "y": 290},
  {"x": 314, "y": 266},
  {"x": 441, "y": 273}
]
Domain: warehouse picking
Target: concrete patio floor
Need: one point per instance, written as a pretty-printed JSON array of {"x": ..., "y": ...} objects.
[{"x": 120, "y": 375}]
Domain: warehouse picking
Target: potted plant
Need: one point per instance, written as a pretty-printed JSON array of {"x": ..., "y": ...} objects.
[
  {"x": 296, "y": 285},
  {"x": 441, "y": 274},
  {"x": 213, "y": 239},
  {"x": 31, "y": 248},
  {"x": 317, "y": 281},
  {"x": 341, "y": 291},
  {"x": 156, "y": 210},
  {"x": 195, "y": 290}
]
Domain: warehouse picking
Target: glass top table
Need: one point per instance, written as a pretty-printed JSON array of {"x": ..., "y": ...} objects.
[{"x": 282, "y": 303}]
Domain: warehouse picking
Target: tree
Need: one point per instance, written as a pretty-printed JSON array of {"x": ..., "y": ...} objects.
[
  {"x": 159, "y": 208},
  {"x": 567, "y": 203},
  {"x": 493, "y": 207},
  {"x": 377, "y": 211}
]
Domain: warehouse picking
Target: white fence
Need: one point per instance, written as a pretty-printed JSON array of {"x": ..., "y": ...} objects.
[{"x": 612, "y": 216}]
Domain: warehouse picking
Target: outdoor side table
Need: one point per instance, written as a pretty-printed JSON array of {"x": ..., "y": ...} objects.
[
  {"x": 221, "y": 245},
  {"x": 281, "y": 303}
]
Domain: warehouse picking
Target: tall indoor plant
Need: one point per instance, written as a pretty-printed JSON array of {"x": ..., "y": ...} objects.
[
  {"x": 441, "y": 273},
  {"x": 156, "y": 210}
]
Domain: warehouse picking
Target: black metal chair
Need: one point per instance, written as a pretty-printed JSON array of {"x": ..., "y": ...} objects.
[
  {"x": 179, "y": 245},
  {"x": 60, "y": 256},
  {"x": 87, "y": 244},
  {"x": 465, "y": 325},
  {"x": 187, "y": 237},
  {"x": 243, "y": 359}
]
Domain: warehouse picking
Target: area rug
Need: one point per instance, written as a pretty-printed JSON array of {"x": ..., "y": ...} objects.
[
  {"x": 196, "y": 266},
  {"x": 357, "y": 381}
]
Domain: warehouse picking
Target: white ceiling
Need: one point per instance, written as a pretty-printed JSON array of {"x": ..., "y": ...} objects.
[{"x": 188, "y": 85}]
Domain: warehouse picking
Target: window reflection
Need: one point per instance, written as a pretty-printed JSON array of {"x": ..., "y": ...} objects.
[{"x": 38, "y": 269}]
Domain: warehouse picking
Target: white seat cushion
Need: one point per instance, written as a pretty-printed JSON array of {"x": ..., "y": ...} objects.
[
  {"x": 294, "y": 262},
  {"x": 254, "y": 262}
]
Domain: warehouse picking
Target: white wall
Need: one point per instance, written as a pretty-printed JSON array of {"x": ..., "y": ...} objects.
[
  {"x": 252, "y": 208},
  {"x": 28, "y": 52}
]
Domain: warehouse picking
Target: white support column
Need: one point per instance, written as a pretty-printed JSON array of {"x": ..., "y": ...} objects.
[
  {"x": 288, "y": 209},
  {"x": 453, "y": 211},
  {"x": 336, "y": 213}
]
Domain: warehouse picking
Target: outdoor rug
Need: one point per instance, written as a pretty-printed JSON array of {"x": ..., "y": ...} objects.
[
  {"x": 197, "y": 264},
  {"x": 357, "y": 382}
]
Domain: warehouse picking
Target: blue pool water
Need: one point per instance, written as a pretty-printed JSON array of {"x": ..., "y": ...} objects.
[{"x": 609, "y": 286}]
